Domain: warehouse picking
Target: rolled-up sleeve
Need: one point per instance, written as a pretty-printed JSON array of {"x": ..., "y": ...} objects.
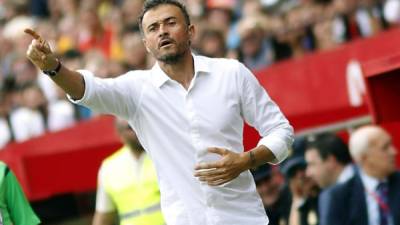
[
  {"x": 111, "y": 95},
  {"x": 88, "y": 79},
  {"x": 264, "y": 115}
]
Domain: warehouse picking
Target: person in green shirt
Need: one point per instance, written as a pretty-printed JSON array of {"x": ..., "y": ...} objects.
[{"x": 14, "y": 207}]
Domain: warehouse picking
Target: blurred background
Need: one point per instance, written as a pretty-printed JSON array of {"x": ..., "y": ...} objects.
[{"x": 325, "y": 63}]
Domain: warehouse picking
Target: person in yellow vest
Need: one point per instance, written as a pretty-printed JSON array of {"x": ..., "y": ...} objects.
[{"x": 127, "y": 185}]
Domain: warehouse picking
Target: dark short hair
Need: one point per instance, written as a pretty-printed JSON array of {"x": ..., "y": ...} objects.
[
  {"x": 263, "y": 172},
  {"x": 150, "y": 4},
  {"x": 292, "y": 165},
  {"x": 330, "y": 144}
]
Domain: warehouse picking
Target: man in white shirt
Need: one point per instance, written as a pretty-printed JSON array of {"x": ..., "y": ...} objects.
[{"x": 188, "y": 112}]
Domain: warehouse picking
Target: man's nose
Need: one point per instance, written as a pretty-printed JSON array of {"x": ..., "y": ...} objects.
[{"x": 163, "y": 30}]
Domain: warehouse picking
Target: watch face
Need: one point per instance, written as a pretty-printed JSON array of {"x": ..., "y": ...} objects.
[
  {"x": 50, "y": 73},
  {"x": 54, "y": 72}
]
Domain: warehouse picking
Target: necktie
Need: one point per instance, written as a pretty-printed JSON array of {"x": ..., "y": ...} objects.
[{"x": 382, "y": 192}]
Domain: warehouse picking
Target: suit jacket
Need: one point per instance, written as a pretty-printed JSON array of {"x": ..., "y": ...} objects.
[{"x": 345, "y": 204}]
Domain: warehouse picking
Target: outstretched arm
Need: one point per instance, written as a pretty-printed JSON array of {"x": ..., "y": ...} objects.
[{"x": 40, "y": 54}]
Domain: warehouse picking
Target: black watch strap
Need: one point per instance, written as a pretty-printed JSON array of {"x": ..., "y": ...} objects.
[{"x": 54, "y": 72}]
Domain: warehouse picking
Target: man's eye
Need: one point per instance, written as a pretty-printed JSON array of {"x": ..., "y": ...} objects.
[{"x": 151, "y": 29}]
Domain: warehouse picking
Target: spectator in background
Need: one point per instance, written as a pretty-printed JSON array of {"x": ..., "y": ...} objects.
[
  {"x": 255, "y": 49},
  {"x": 370, "y": 17},
  {"x": 328, "y": 162},
  {"x": 6, "y": 132},
  {"x": 25, "y": 72},
  {"x": 372, "y": 196},
  {"x": 135, "y": 54},
  {"x": 212, "y": 43},
  {"x": 61, "y": 113},
  {"x": 298, "y": 35},
  {"x": 130, "y": 14},
  {"x": 93, "y": 34},
  {"x": 30, "y": 119},
  {"x": 14, "y": 207},
  {"x": 36, "y": 115},
  {"x": 127, "y": 185},
  {"x": 304, "y": 193},
  {"x": 323, "y": 33},
  {"x": 276, "y": 199},
  {"x": 391, "y": 12},
  {"x": 220, "y": 14}
]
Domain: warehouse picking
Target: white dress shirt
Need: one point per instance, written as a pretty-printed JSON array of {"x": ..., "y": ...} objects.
[
  {"x": 176, "y": 126},
  {"x": 370, "y": 185}
]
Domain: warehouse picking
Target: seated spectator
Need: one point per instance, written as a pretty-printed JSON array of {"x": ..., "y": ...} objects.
[
  {"x": 304, "y": 193},
  {"x": 36, "y": 115},
  {"x": 276, "y": 199},
  {"x": 135, "y": 54},
  {"x": 212, "y": 43},
  {"x": 391, "y": 12},
  {"x": 93, "y": 34},
  {"x": 30, "y": 119},
  {"x": 371, "y": 197},
  {"x": 61, "y": 113},
  {"x": 255, "y": 49}
]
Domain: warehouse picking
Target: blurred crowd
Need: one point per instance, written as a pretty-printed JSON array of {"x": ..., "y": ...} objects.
[
  {"x": 326, "y": 181},
  {"x": 103, "y": 36}
]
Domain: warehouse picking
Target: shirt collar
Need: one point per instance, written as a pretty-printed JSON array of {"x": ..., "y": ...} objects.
[
  {"x": 370, "y": 183},
  {"x": 159, "y": 77},
  {"x": 346, "y": 174}
]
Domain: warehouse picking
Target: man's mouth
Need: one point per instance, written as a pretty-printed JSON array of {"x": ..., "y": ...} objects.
[{"x": 165, "y": 42}]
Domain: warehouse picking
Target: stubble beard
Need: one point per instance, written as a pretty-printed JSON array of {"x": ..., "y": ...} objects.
[
  {"x": 174, "y": 58},
  {"x": 171, "y": 58}
]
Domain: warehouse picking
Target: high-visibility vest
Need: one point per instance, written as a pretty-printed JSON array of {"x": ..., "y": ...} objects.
[{"x": 137, "y": 199}]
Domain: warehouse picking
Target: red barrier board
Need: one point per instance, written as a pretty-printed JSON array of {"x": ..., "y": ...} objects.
[
  {"x": 62, "y": 162},
  {"x": 382, "y": 77}
]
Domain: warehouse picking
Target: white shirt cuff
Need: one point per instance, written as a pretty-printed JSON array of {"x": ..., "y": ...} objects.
[
  {"x": 87, "y": 77},
  {"x": 277, "y": 146}
]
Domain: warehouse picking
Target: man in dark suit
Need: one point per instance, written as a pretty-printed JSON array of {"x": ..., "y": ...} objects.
[{"x": 372, "y": 196}]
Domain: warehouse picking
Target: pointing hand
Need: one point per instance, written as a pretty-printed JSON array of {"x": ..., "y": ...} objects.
[{"x": 39, "y": 52}]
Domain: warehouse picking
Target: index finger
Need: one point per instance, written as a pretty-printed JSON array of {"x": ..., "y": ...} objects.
[{"x": 32, "y": 33}]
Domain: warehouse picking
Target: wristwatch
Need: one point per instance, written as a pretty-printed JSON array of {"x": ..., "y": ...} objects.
[{"x": 54, "y": 72}]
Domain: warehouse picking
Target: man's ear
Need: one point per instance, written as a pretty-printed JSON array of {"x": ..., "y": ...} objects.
[
  {"x": 191, "y": 31},
  {"x": 145, "y": 45}
]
